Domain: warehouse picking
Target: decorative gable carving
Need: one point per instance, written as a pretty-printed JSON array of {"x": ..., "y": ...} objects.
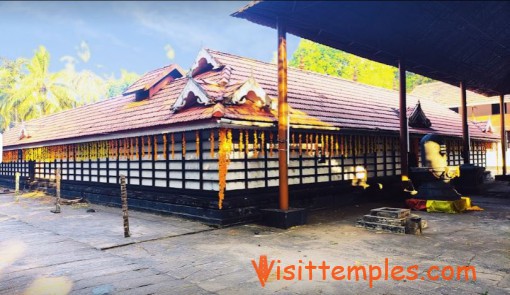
[
  {"x": 204, "y": 62},
  {"x": 240, "y": 95},
  {"x": 418, "y": 119},
  {"x": 191, "y": 93}
]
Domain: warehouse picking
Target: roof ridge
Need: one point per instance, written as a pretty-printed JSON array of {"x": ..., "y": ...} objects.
[{"x": 298, "y": 70}]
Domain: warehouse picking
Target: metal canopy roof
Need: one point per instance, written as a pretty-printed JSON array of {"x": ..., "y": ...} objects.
[{"x": 448, "y": 41}]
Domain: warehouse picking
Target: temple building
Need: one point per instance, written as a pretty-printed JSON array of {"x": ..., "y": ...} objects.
[
  {"x": 480, "y": 109},
  {"x": 203, "y": 144}
]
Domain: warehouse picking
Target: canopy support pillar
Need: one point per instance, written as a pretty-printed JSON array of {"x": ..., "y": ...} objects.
[
  {"x": 404, "y": 135},
  {"x": 283, "y": 115},
  {"x": 503, "y": 131},
  {"x": 465, "y": 129}
]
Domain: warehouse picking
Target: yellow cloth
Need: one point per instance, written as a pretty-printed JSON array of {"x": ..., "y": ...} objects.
[{"x": 460, "y": 205}]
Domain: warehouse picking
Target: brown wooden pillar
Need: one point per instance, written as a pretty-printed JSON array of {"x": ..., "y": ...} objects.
[
  {"x": 404, "y": 136},
  {"x": 465, "y": 129},
  {"x": 503, "y": 131},
  {"x": 283, "y": 115}
]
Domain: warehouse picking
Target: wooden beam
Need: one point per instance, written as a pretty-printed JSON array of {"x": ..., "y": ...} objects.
[
  {"x": 465, "y": 129},
  {"x": 503, "y": 131},
  {"x": 404, "y": 167},
  {"x": 283, "y": 114}
]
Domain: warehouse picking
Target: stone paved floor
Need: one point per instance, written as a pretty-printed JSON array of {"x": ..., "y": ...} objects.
[{"x": 85, "y": 253}]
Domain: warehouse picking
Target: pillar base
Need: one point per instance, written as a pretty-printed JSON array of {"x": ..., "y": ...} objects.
[{"x": 284, "y": 218}]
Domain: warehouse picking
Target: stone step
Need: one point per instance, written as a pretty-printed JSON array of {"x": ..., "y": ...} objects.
[
  {"x": 396, "y": 229},
  {"x": 390, "y": 212},
  {"x": 385, "y": 220}
]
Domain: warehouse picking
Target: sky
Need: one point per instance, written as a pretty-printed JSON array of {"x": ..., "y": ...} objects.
[{"x": 106, "y": 37}]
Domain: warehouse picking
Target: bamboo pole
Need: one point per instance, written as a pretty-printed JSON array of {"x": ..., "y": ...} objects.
[
  {"x": 57, "y": 191},
  {"x": 16, "y": 179},
  {"x": 123, "y": 197}
]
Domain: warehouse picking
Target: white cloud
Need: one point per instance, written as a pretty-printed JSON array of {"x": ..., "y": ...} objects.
[
  {"x": 69, "y": 61},
  {"x": 170, "y": 52},
  {"x": 83, "y": 51},
  {"x": 179, "y": 26}
]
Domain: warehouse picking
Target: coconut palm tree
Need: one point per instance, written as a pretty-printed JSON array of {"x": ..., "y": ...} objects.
[
  {"x": 10, "y": 73},
  {"x": 36, "y": 93}
]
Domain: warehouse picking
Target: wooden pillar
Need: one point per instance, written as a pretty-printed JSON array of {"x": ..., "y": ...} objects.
[
  {"x": 465, "y": 129},
  {"x": 283, "y": 114},
  {"x": 503, "y": 131},
  {"x": 404, "y": 167}
]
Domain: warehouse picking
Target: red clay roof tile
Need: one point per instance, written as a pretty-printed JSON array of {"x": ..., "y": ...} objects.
[{"x": 314, "y": 99}]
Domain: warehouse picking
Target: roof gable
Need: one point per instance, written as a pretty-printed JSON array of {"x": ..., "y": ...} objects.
[
  {"x": 191, "y": 94},
  {"x": 250, "y": 88},
  {"x": 418, "y": 119},
  {"x": 153, "y": 81},
  {"x": 204, "y": 62}
]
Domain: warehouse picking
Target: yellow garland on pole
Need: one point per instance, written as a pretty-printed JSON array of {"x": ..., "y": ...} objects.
[
  {"x": 293, "y": 144},
  {"x": 336, "y": 147},
  {"x": 316, "y": 144},
  {"x": 184, "y": 144},
  {"x": 211, "y": 140},
  {"x": 306, "y": 143},
  {"x": 255, "y": 144},
  {"x": 332, "y": 146},
  {"x": 322, "y": 144},
  {"x": 197, "y": 144},
  {"x": 132, "y": 148},
  {"x": 241, "y": 143},
  {"x": 300, "y": 138},
  {"x": 225, "y": 148},
  {"x": 125, "y": 149},
  {"x": 143, "y": 147},
  {"x": 172, "y": 139},
  {"x": 155, "y": 141},
  {"x": 271, "y": 144},
  {"x": 136, "y": 148},
  {"x": 326, "y": 143},
  {"x": 149, "y": 148},
  {"x": 165, "y": 147},
  {"x": 263, "y": 142},
  {"x": 247, "y": 144}
]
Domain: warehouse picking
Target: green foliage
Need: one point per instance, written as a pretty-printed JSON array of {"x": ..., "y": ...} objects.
[
  {"x": 326, "y": 60},
  {"x": 35, "y": 92},
  {"x": 117, "y": 86},
  {"x": 29, "y": 90}
]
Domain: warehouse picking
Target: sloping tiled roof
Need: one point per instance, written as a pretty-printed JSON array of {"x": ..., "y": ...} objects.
[
  {"x": 342, "y": 103},
  {"x": 449, "y": 95},
  {"x": 122, "y": 113},
  {"x": 314, "y": 99}
]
